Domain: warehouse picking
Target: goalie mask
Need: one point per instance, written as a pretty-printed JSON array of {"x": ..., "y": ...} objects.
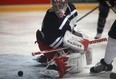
[{"x": 59, "y": 7}]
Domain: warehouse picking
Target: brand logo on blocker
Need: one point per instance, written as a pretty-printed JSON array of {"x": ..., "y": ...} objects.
[{"x": 73, "y": 43}]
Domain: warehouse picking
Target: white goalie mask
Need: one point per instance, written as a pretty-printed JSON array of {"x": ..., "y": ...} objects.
[{"x": 59, "y": 7}]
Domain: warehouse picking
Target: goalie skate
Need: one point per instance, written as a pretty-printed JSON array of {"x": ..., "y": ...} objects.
[
  {"x": 51, "y": 71},
  {"x": 42, "y": 59}
]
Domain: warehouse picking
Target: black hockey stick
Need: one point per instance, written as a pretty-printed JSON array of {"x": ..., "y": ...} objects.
[
  {"x": 110, "y": 6},
  {"x": 87, "y": 13}
]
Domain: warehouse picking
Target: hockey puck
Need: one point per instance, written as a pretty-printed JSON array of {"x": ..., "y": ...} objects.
[
  {"x": 112, "y": 75},
  {"x": 20, "y": 73}
]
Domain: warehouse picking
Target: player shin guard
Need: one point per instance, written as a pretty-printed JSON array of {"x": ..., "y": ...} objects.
[{"x": 110, "y": 53}]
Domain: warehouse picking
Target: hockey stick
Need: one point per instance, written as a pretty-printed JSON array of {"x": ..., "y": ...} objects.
[
  {"x": 98, "y": 40},
  {"x": 59, "y": 49},
  {"x": 110, "y": 6},
  {"x": 87, "y": 13},
  {"x": 47, "y": 51}
]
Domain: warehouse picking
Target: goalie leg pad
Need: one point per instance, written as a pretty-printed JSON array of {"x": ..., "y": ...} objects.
[
  {"x": 70, "y": 63},
  {"x": 88, "y": 55},
  {"x": 60, "y": 62},
  {"x": 75, "y": 62}
]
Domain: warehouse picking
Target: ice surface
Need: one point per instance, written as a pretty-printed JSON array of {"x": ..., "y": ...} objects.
[{"x": 17, "y": 37}]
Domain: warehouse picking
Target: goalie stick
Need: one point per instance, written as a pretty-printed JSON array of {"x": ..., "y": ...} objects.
[
  {"x": 87, "y": 13},
  {"x": 98, "y": 40},
  {"x": 59, "y": 49},
  {"x": 47, "y": 51}
]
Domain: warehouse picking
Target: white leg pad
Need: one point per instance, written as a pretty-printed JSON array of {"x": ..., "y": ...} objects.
[{"x": 76, "y": 62}]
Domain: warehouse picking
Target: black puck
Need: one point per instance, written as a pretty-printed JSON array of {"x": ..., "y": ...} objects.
[
  {"x": 20, "y": 73},
  {"x": 112, "y": 75}
]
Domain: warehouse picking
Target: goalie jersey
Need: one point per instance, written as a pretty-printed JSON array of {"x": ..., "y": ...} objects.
[{"x": 54, "y": 28}]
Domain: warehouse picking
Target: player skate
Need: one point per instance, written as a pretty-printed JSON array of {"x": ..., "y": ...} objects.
[
  {"x": 101, "y": 66},
  {"x": 98, "y": 35}
]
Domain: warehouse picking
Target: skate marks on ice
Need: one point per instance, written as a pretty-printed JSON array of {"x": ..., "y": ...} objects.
[
  {"x": 11, "y": 64},
  {"x": 85, "y": 74}
]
